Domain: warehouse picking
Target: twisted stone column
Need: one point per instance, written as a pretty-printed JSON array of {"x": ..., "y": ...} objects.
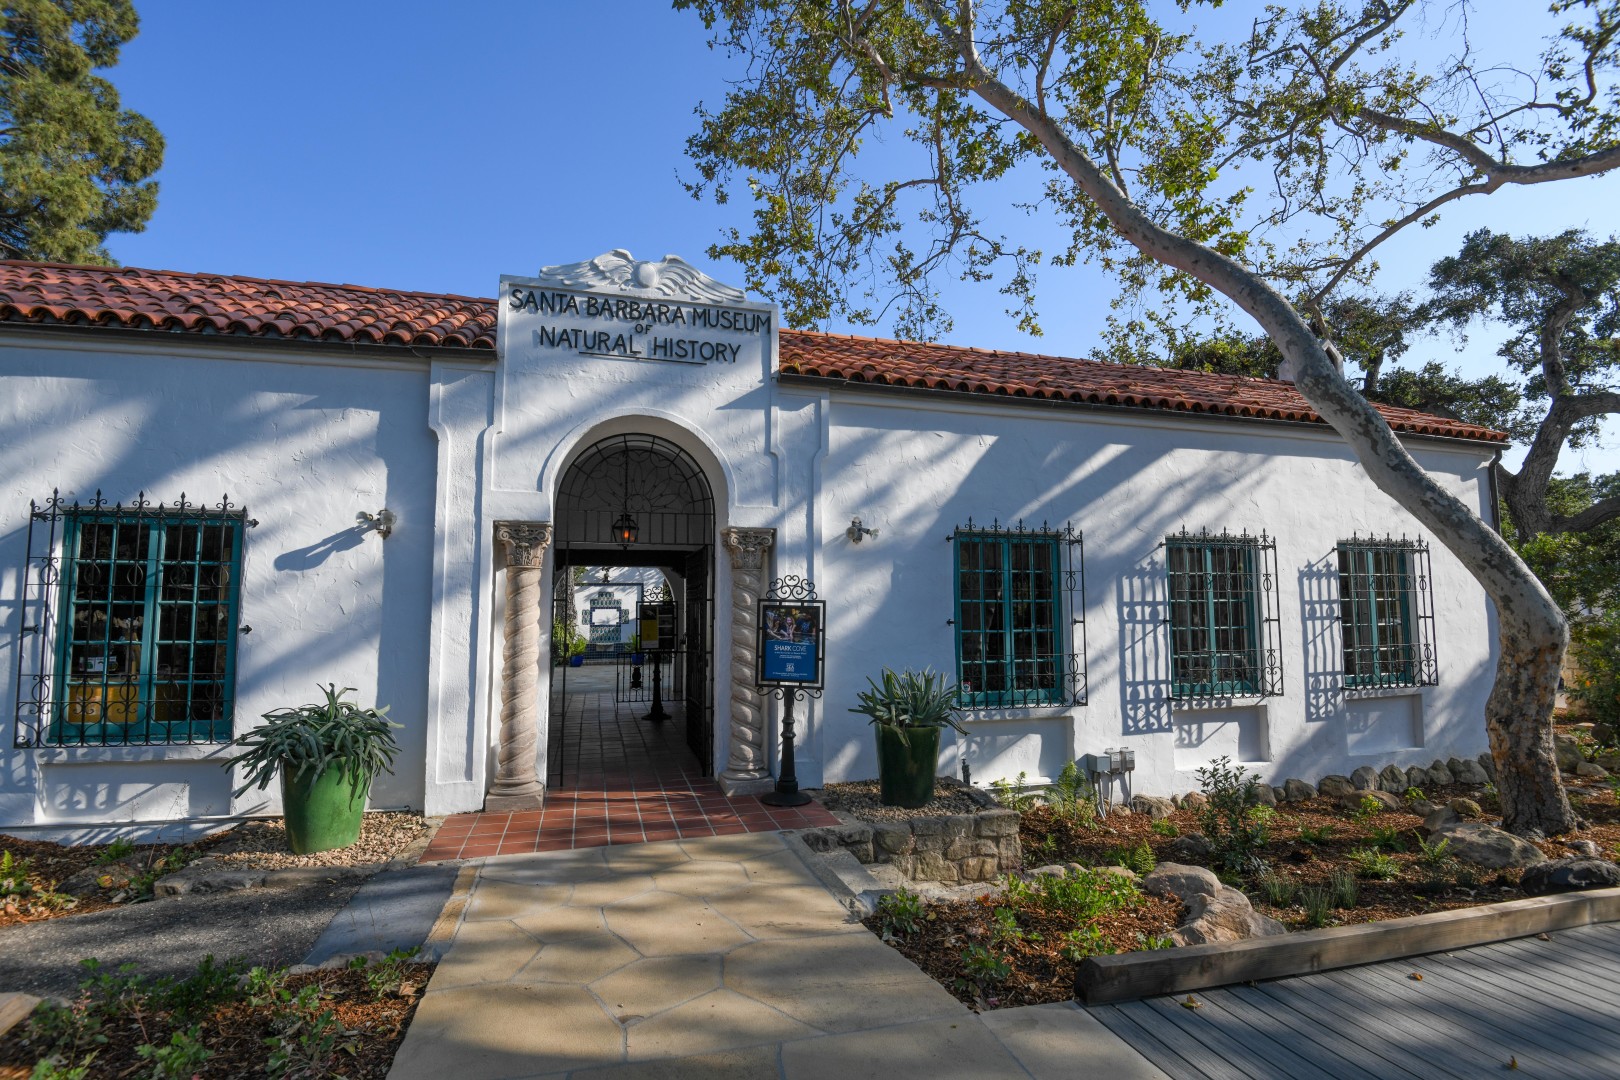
[
  {"x": 515, "y": 786},
  {"x": 747, "y": 767}
]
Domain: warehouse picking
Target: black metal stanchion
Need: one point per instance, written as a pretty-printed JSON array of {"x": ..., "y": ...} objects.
[
  {"x": 787, "y": 791},
  {"x": 657, "y": 715}
]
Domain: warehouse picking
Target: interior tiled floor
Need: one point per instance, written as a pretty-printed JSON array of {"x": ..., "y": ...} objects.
[{"x": 614, "y": 778}]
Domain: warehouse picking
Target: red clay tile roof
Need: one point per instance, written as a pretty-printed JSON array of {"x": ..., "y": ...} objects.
[
  {"x": 254, "y": 307},
  {"x": 849, "y": 359},
  {"x": 168, "y": 300}
]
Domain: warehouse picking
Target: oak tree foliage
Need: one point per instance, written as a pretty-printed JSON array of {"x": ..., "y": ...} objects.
[{"x": 74, "y": 165}]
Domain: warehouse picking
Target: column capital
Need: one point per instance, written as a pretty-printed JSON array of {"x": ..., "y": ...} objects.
[
  {"x": 525, "y": 541},
  {"x": 748, "y": 547}
]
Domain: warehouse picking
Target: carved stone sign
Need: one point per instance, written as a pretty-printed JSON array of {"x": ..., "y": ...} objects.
[{"x": 621, "y": 308}]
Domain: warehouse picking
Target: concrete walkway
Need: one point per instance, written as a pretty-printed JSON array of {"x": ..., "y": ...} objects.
[{"x": 714, "y": 958}]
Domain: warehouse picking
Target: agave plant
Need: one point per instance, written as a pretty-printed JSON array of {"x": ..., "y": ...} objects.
[
  {"x": 312, "y": 738},
  {"x": 911, "y": 699}
]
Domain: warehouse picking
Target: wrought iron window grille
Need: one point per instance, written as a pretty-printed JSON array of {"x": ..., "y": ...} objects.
[
  {"x": 1015, "y": 587},
  {"x": 1224, "y": 623},
  {"x": 1386, "y": 613},
  {"x": 130, "y": 614}
]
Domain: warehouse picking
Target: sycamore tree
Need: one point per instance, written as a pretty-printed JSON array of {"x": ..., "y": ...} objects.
[
  {"x": 865, "y": 130},
  {"x": 74, "y": 165}
]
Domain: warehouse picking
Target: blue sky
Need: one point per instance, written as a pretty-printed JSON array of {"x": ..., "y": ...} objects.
[{"x": 436, "y": 146}]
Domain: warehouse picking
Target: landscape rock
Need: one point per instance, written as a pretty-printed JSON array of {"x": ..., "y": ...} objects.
[
  {"x": 1591, "y": 770},
  {"x": 1195, "y": 800},
  {"x": 1225, "y": 916},
  {"x": 1441, "y": 817},
  {"x": 1392, "y": 778},
  {"x": 1584, "y": 847},
  {"x": 1567, "y": 751},
  {"x": 1487, "y": 765},
  {"x": 1467, "y": 771},
  {"x": 1365, "y": 778},
  {"x": 1416, "y": 777},
  {"x": 1567, "y": 875},
  {"x": 1188, "y": 848},
  {"x": 1439, "y": 775},
  {"x": 1466, "y": 807},
  {"x": 1296, "y": 791},
  {"x": 1265, "y": 795},
  {"x": 112, "y": 876},
  {"x": 1120, "y": 871},
  {"x": 1603, "y": 733},
  {"x": 1154, "y": 806},
  {"x": 1181, "y": 881},
  {"x": 1354, "y": 799},
  {"x": 199, "y": 878},
  {"x": 1420, "y": 807},
  {"x": 1489, "y": 847},
  {"x": 1332, "y": 787},
  {"x": 1609, "y": 759}
]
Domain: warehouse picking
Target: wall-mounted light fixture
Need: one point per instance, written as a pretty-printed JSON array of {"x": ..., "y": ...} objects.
[
  {"x": 856, "y": 530},
  {"x": 383, "y": 521}
]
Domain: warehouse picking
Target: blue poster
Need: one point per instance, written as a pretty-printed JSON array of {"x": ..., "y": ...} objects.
[{"x": 790, "y": 661}]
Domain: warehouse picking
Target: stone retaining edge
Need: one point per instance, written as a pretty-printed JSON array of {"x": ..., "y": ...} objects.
[{"x": 1104, "y": 980}]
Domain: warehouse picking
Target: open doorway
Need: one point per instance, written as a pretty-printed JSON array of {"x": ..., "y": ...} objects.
[{"x": 632, "y": 626}]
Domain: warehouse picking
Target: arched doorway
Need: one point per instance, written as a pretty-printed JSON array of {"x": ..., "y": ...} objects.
[{"x": 628, "y": 501}]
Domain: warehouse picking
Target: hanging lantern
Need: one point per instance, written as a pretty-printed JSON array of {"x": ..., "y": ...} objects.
[{"x": 625, "y": 529}]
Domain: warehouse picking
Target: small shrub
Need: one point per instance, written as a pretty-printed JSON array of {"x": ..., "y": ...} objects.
[
  {"x": 213, "y": 984},
  {"x": 1314, "y": 835},
  {"x": 387, "y": 975},
  {"x": 1414, "y": 794},
  {"x": 982, "y": 968},
  {"x": 1085, "y": 941},
  {"x": 1368, "y": 809},
  {"x": 1318, "y": 902},
  {"x": 1073, "y": 796},
  {"x": 120, "y": 848},
  {"x": 1164, "y": 827},
  {"x": 899, "y": 913},
  {"x": 1004, "y": 928},
  {"x": 1346, "y": 890},
  {"x": 179, "y": 1058},
  {"x": 1387, "y": 838},
  {"x": 1153, "y": 942},
  {"x": 1083, "y": 894},
  {"x": 307, "y": 1047},
  {"x": 1229, "y": 821},
  {"x": 1373, "y": 864},
  {"x": 1014, "y": 795}
]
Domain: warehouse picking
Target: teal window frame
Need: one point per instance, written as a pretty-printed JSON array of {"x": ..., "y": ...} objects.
[
  {"x": 1379, "y": 644},
  {"x": 1206, "y": 614},
  {"x": 997, "y": 630},
  {"x": 139, "y": 662}
]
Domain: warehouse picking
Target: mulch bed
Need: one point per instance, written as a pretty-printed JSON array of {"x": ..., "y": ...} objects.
[
  {"x": 371, "y": 1029},
  {"x": 863, "y": 799},
  {"x": 1040, "y": 973}
]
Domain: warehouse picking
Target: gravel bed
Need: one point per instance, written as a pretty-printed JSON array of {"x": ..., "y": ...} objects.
[
  {"x": 262, "y": 845},
  {"x": 860, "y": 799}
]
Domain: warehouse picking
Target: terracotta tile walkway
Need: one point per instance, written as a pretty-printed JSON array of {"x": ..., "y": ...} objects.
[{"x": 614, "y": 778}]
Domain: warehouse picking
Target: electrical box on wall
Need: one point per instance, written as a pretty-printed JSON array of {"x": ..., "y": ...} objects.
[
  {"x": 1122, "y": 760},
  {"x": 1094, "y": 763}
]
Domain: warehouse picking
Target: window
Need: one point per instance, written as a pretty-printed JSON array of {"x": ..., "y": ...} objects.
[
  {"x": 1012, "y": 646},
  {"x": 137, "y": 645},
  {"x": 1222, "y": 616},
  {"x": 1387, "y": 613}
]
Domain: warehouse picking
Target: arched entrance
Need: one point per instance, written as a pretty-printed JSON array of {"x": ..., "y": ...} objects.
[{"x": 629, "y": 501}]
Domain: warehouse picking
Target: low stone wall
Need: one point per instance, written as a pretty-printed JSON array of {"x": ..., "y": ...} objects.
[{"x": 952, "y": 849}]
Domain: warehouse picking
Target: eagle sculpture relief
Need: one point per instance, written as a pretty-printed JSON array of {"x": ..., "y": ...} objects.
[{"x": 669, "y": 276}]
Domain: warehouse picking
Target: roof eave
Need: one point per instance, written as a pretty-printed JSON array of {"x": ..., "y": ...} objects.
[{"x": 376, "y": 350}]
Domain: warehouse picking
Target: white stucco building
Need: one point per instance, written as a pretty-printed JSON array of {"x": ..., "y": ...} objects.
[{"x": 1102, "y": 556}]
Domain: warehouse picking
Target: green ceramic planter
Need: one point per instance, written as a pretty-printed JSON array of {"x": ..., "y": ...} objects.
[
  {"x": 906, "y": 773},
  {"x": 322, "y": 812}
]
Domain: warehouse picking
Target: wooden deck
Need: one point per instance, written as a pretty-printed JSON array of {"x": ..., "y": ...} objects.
[{"x": 1552, "y": 1005}]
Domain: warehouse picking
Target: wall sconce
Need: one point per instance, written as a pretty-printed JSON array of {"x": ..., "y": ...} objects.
[
  {"x": 856, "y": 530},
  {"x": 383, "y": 521}
]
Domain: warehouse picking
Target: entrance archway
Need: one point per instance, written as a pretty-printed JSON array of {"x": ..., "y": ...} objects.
[{"x": 636, "y": 500}]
